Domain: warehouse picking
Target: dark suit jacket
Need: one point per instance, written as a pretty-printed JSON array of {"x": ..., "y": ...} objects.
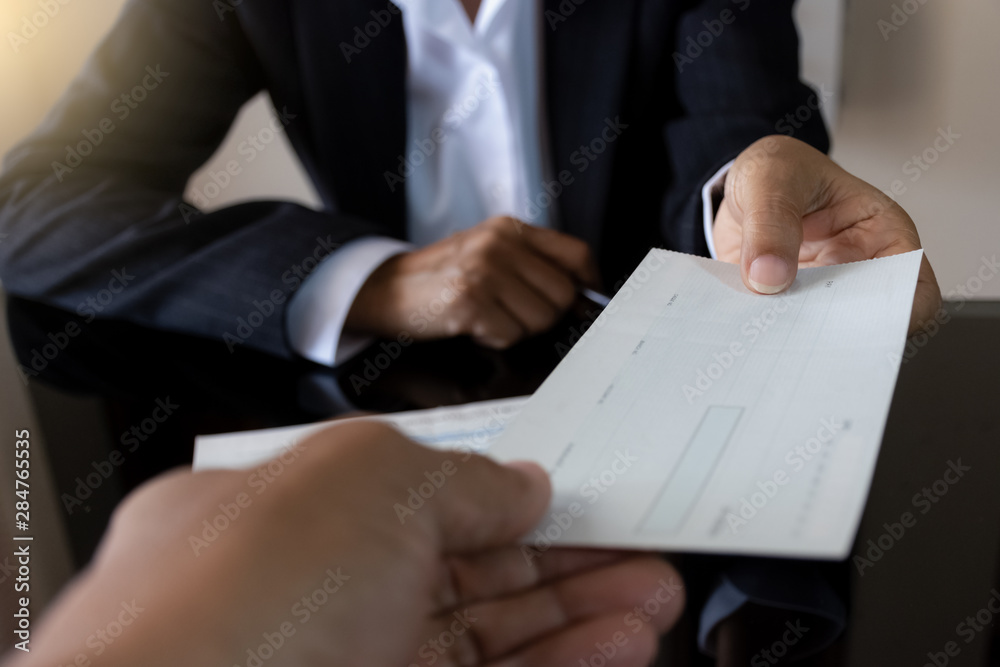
[{"x": 120, "y": 207}]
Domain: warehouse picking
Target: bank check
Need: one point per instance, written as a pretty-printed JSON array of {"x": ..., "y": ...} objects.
[
  {"x": 696, "y": 415},
  {"x": 470, "y": 427}
]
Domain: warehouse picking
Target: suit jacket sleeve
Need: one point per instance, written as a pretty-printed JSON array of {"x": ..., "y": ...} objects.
[
  {"x": 94, "y": 197},
  {"x": 735, "y": 69}
]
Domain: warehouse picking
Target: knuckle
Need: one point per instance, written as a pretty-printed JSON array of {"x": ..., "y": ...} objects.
[
  {"x": 483, "y": 244},
  {"x": 543, "y": 316},
  {"x": 583, "y": 254},
  {"x": 460, "y": 319},
  {"x": 500, "y": 224},
  {"x": 566, "y": 290},
  {"x": 564, "y": 296},
  {"x": 539, "y": 325},
  {"x": 475, "y": 283},
  {"x": 481, "y": 328},
  {"x": 453, "y": 325},
  {"x": 774, "y": 210},
  {"x": 493, "y": 252}
]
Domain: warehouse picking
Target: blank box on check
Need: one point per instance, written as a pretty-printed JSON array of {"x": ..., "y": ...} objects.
[{"x": 703, "y": 450}]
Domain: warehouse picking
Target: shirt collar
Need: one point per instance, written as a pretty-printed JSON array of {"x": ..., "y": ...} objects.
[{"x": 448, "y": 21}]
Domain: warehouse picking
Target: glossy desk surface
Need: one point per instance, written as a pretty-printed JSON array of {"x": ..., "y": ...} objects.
[{"x": 91, "y": 392}]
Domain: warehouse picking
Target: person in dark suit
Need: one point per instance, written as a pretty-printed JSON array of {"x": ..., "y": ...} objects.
[{"x": 486, "y": 158}]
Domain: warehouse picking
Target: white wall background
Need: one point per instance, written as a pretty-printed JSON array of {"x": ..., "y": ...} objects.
[
  {"x": 821, "y": 23},
  {"x": 939, "y": 70}
]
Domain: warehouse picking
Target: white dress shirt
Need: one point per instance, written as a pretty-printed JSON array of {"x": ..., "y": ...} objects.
[
  {"x": 474, "y": 150},
  {"x": 715, "y": 185}
]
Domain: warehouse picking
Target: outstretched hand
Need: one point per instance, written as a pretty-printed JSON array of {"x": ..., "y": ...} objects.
[
  {"x": 788, "y": 205},
  {"x": 323, "y": 557}
]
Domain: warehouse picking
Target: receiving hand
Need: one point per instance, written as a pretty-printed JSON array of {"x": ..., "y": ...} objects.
[{"x": 324, "y": 565}]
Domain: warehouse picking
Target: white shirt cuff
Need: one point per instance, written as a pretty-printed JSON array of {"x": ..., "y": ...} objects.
[
  {"x": 716, "y": 184},
  {"x": 317, "y": 312}
]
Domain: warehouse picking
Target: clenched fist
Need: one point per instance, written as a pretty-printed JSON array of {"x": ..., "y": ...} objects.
[{"x": 498, "y": 282}]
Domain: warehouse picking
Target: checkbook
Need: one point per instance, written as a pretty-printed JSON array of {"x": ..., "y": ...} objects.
[{"x": 696, "y": 415}]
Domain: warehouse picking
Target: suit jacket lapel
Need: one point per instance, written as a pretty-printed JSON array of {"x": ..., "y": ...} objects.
[
  {"x": 586, "y": 63},
  {"x": 353, "y": 55}
]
